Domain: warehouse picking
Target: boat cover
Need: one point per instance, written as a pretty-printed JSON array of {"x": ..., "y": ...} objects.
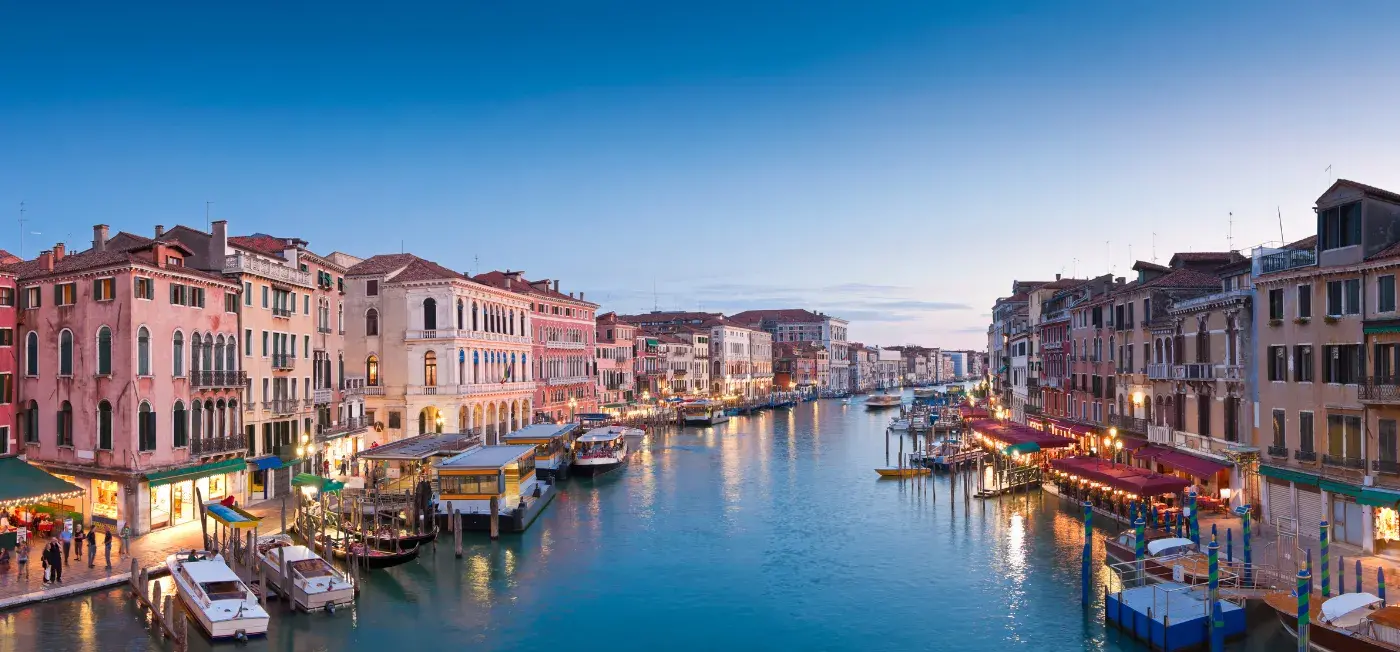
[{"x": 1348, "y": 609}]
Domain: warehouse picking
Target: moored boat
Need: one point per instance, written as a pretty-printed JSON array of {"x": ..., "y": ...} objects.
[
  {"x": 222, "y": 605},
  {"x": 899, "y": 423},
  {"x": 1123, "y": 548},
  {"x": 703, "y": 413},
  {"x": 882, "y": 401},
  {"x": 315, "y": 584},
  {"x": 925, "y": 392},
  {"x": 903, "y": 472},
  {"x": 1349, "y": 622},
  {"x": 601, "y": 450},
  {"x": 551, "y": 441},
  {"x": 372, "y": 557}
]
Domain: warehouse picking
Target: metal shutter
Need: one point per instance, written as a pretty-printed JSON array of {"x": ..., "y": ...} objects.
[
  {"x": 1309, "y": 512},
  {"x": 1280, "y": 502}
]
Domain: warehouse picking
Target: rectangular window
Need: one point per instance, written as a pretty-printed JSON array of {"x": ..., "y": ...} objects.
[
  {"x": 1147, "y": 310},
  {"x": 196, "y": 297},
  {"x": 1341, "y": 363},
  {"x": 294, "y": 345},
  {"x": 65, "y": 294},
  {"x": 305, "y": 304},
  {"x": 372, "y": 287},
  {"x": 145, "y": 288},
  {"x": 1385, "y": 289},
  {"x": 1276, "y": 304},
  {"x": 1305, "y": 432},
  {"x": 264, "y": 293},
  {"x": 1305, "y": 301},
  {"x": 1383, "y": 362},
  {"x": 230, "y": 302},
  {"x": 7, "y": 337},
  {"x": 264, "y": 348},
  {"x": 1278, "y": 363},
  {"x": 305, "y": 346},
  {"x": 1339, "y": 226},
  {"x": 104, "y": 289},
  {"x": 1303, "y": 363},
  {"x": 248, "y": 342},
  {"x": 178, "y": 294},
  {"x": 1387, "y": 440},
  {"x": 1334, "y": 298},
  {"x": 1343, "y": 436},
  {"x": 1278, "y": 428},
  {"x": 7, "y": 388},
  {"x": 7, "y": 297},
  {"x": 1353, "y": 296},
  {"x": 395, "y": 419},
  {"x": 33, "y": 297},
  {"x": 247, "y": 293}
]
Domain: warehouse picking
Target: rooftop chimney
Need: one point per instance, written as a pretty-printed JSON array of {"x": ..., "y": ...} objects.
[
  {"x": 556, "y": 286},
  {"x": 1057, "y": 277},
  {"x": 46, "y": 260},
  {"x": 99, "y": 238},
  {"x": 218, "y": 244},
  {"x": 580, "y": 295},
  {"x": 58, "y": 251},
  {"x": 159, "y": 252},
  {"x": 160, "y": 230}
]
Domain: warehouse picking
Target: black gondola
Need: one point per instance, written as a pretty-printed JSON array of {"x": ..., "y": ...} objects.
[
  {"x": 382, "y": 540},
  {"x": 373, "y": 558}
]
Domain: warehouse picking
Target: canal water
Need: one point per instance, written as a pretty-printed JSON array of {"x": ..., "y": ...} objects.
[{"x": 767, "y": 532}]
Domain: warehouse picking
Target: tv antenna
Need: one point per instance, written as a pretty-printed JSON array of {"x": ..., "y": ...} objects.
[{"x": 21, "y": 230}]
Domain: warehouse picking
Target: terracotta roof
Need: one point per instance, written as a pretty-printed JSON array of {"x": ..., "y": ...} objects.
[
  {"x": 1144, "y": 265},
  {"x": 1062, "y": 284},
  {"x": 782, "y": 316},
  {"x": 123, "y": 241},
  {"x": 381, "y": 264},
  {"x": 7, "y": 258},
  {"x": 1198, "y": 256},
  {"x": 1185, "y": 278},
  {"x": 425, "y": 270},
  {"x": 673, "y": 315},
  {"x": 522, "y": 286},
  {"x": 261, "y": 243},
  {"x": 128, "y": 249},
  {"x": 1243, "y": 265}
]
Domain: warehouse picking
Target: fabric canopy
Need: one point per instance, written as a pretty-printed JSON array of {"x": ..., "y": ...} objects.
[
  {"x": 266, "y": 462},
  {"x": 1024, "y": 448},
  {"x": 320, "y": 483},
  {"x": 1119, "y": 476},
  {"x": 1196, "y": 466},
  {"x": 1010, "y": 433},
  {"x": 973, "y": 412},
  {"x": 1281, "y": 473},
  {"x": 23, "y": 483},
  {"x": 1072, "y": 428},
  {"x": 1131, "y": 444},
  {"x": 193, "y": 472}
]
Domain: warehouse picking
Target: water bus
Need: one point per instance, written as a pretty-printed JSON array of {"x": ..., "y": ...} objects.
[{"x": 222, "y": 605}]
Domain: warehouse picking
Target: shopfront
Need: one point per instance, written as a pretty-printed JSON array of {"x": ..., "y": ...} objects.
[
  {"x": 107, "y": 499},
  {"x": 1387, "y": 529},
  {"x": 34, "y": 501},
  {"x": 173, "y": 493}
]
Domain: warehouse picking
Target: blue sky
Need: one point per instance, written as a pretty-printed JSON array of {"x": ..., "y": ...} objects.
[{"x": 895, "y": 163}]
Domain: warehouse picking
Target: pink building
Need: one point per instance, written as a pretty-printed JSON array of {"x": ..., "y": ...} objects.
[
  {"x": 109, "y": 337},
  {"x": 562, "y": 333},
  {"x": 9, "y": 359},
  {"x": 615, "y": 352}
]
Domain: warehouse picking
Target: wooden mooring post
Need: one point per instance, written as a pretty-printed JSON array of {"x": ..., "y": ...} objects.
[
  {"x": 457, "y": 533},
  {"x": 495, "y": 517}
]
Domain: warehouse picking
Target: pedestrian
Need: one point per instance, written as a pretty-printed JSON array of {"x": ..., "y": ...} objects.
[
  {"x": 53, "y": 563},
  {"x": 92, "y": 546},
  {"x": 57, "y": 564},
  {"x": 107, "y": 545},
  {"x": 66, "y": 535},
  {"x": 126, "y": 540},
  {"x": 23, "y": 559}
]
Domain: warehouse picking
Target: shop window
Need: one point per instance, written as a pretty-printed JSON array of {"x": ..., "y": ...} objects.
[
  {"x": 106, "y": 495},
  {"x": 160, "y": 506}
]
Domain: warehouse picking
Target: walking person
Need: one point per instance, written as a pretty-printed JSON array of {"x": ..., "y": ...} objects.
[
  {"x": 66, "y": 535},
  {"x": 92, "y": 546},
  {"x": 22, "y": 556},
  {"x": 53, "y": 559},
  {"x": 107, "y": 546},
  {"x": 126, "y": 539}
]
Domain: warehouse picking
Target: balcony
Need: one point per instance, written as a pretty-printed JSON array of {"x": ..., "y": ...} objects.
[
  {"x": 1207, "y": 446},
  {"x": 435, "y": 334},
  {"x": 1379, "y": 389},
  {"x": 1388, "y": 467},
  {"x": 241, "y": 263},
  {"x": 372, "y": 390},
  {"x": 1130, "y": 424},
  {"x": 322, "y": 396},
  {"x": 1305, "y": 456},
  {"x": 425, "y": 390},
  {"x": 337, "y": 430},
  {"x": 218, "y": 379},
  {"x": 1278, "y": 451},
  {"x": 324, "y": 330},
  {"x": 217, "y": 445},
  {"x": 284, "y": 313},
  {"x": 283, "y": 361},
  {"x": 1053, "y": 382},
  {"x": 1229, "y": 371},
  {"x": 1288, "y": 259},
  {"x": 1194, "y": 371},
  {"x": 573, "y": 380},
  {"x": 281, "y": 406},
  {"x": 1159, "y": 371},
  {"x": 1344, "y": 462},
  {"x": 561, "y": 344}
]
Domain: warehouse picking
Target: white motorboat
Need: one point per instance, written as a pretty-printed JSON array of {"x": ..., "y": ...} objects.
[
  {"x": 603, "y": 449},
  {"x": 315, "y": 584},
  {"x": 220, "y": 602},
  {"x": 881, "y": 401},
  {"x": 703, "y": 413},
  {"x": 900, "y": 424}
]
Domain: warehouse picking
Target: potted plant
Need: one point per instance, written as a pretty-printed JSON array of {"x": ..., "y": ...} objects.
[
  {"x": 1331, "y": 319},
  {"x": 1275, "y": 323},
  {"x": 1301, "y": 321}
]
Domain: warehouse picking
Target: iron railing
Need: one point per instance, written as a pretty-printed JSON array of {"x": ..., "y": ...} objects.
[
  {"x": 1284, "y": 260},
  {"x": 1344, "y": 462},
  {"x": 216, "y": 445},
  {"x": 1379, "y": 389},
  {"x": 216, "y": 379},
  {"x": 1305, "y": 456},
  {"x": 1278, "y": 451},
  {"x": 1389, "y": 467}
]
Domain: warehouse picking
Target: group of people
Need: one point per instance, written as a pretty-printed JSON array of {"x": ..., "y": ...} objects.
[{"x": 65, "y": 546}]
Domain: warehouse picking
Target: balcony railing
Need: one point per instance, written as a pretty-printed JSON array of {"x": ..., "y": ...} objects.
[
  {"x": 571, "y": 380},
  {"x": 1379, "y": 389},
  {"x": 372, "y": 390},
  {"x": 1388, "y": 467},
  {"x": 1208, "y": 446},
  {"x": 284, "y": 313},
  {"x": 434, "y": 334},
  {"x": 1159, "y": 371},
  {"x": 562, "y": 344},
  {"x": 1130, "y": 424},
  {"x": 323, "y": 396},
  {"x": 240, "y": 263},
  {"x": 1194, "y": 371},
  {"x": 1278, "y": 451},
  {"x": 217, "y": 445},
  {"x": 324, "y": 330},
  {"x": 1284, "y": 260},
  {"x": 345, "y": 426},
  {"x": 283, "y": 361},
  {"x": 281, "y": 406},
  {"x": 1344, "y": 462},
  {"x": 1229, "y": 371},
  {"x": 1053, "y": 382},
  {"x": 218, "y": 379},
  {"x": 1191, "y": 304},
  {"x": 1305, "y": 456}
]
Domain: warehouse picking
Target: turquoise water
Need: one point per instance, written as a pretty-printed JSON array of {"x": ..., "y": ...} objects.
[{"x": 767, "y": 532}]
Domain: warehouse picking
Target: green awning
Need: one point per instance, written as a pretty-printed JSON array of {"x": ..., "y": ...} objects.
[
  {"x": 1378, "y": 498},
  {"x": 1386, "y": 326},
  {"x": 22, "y": 483},
  {"x": 1333, "y": 486},
  {"x": 615, "y": 405},
  {"x": 193, "y": 472},
  {"x": 320, "y": 483},
  {"x": 1281, "y": 473},
  {"x": 1024, "y": 448}
]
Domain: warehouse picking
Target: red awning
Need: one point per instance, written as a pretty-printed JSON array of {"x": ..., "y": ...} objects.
[
  {"x": 1196, "y": 466},
  {"x": 1131, "y": 444},
  {"x": 973, "y": 412},
  {"x": 1008, "y": 432},
  {"x": 1119, "y": 476}
]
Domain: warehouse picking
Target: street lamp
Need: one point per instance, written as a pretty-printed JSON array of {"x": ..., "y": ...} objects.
[{"x": 572, "y": 404}]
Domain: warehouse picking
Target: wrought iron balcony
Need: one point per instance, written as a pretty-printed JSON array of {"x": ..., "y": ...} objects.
[
  {"x": 284, "y": 313},
  {"x": 1344, "y": 462},
  {"x": 217, "y": 445},
  {"x": 238, "y": 263},
  {"x": 283, "y": 361},
  {"x": 1159, "y": 371},
  {"x": 344, "y": 427},
  {"x": 324, "y": 330},
  {"x": 1379, "y": 389},
  {"x": 1130, "y": 424},
  {"x": 1278, "y": 451},
  {"x": 282, "y": 405},
  {"x": 1388, "y": 467},
  {"x": 1305, "y": 456},
  {"x": 1289, "y": 259},
  {"x": 218, "y": 379}
]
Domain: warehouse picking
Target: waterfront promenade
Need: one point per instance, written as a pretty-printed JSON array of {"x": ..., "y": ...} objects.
[{"x": 150, "y": 551}]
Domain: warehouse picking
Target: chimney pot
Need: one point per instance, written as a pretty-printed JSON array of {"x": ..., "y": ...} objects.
[
  {"x": 58, "y": 251},
  {"x": 218, "y": 244},
  {"x": 1057, "y": 277},
  {"x": 556, "y": 286},
  {"x": 580, "y": 296},
  {"x": 99, "y": 238},
  {"x": 160, "y": 230},
  {"x": 46, "y": 260}
]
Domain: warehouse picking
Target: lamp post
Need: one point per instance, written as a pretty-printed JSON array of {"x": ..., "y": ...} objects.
[{"x": 573, "y": 402}]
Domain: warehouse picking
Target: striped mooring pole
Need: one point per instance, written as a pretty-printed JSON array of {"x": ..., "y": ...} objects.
[
  {"x": 1248, "y": 556},
  {"x": 1194, "y": 526},
  {"x": 1084, "y": 557},
  {"x": 1307, "y": 563},
  {"x": 1380, "y": 585},
  {"x": 1326, "y": 565},
  {"x": 1359, "y": 587},
  {"x": 1217, "y": 624},
  {"x": 1341, "y": 574},
  {"x": 1179, "y": 520},
  {"x": 1140, "y": 547},
  {"x": 1214, "y": 535},
  {"x": 1229, "y": 545},
  {"x": 1304, "y": 582}
]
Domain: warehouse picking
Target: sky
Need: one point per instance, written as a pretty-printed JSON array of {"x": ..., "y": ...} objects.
[{"x": 897, "y": 164}]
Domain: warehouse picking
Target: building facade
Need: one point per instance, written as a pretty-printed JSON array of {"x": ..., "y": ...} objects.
[
  {"x": 798, "y": 325},
  {"x": 616, "y": 344}
]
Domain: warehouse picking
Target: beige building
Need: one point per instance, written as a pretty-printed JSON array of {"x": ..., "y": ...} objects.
[{"x": 437, "y": 351}]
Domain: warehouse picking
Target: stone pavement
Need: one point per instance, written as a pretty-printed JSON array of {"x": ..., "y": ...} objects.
[
  {"x": 150, "y": 551},
  {"x": 1286, "y": 560}
]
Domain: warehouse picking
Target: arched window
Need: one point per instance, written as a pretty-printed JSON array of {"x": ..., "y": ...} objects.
[
  {"x": 65, "y": 353},
  {"x": 423, "y": 421},
  {"x": 372, "y": 322},
  {"x": 179, "y": 426},
  {"x": 372, "y": 371},
  {"x": 231, "y": 354},
  {"x": 104, "y": 425},
  {"x": 510, "y": 321},
  {"x": 178, "y": 361},
  {"x": 146, "y": 427},
  {"x": 430, "y": 369},
  {"x": 197, "y": 419},
  {"x": 221, "y": 421},
  {"x": 196, "y": 343},
  {"x": 207, "y": 354},
  {"x": 340, "y": 318},
  {"x": 143, "y": 359},
  {"x": 219, "y": 353},
  {"x": 460, "y": 312},
  {"x": 474, "y": 315},
  {"x": 429, "y": 314},
  {"x": 65, "y": 424},
  {"x": 31, "y": 354},
  {"x": 209, "y": 419}
]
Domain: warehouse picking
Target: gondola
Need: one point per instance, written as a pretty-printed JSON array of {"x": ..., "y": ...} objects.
[
  {"x": 371, "y": 557},
  {"x": 381, "y": 538}
]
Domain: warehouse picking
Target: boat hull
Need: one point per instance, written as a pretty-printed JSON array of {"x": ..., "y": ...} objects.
[
  {"x": 404, "y": 542},
  {"x": 222, "y": 630},
  {"x": 1326, "y": 639},
  {"x": 318, "y": 601},
  {"x": 594, "y": 468},
  {"x": 906, "y": 472}
]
